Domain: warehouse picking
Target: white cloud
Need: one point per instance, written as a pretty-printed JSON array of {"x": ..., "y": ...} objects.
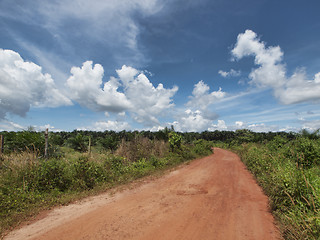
[
  {"x": 85, "y": 88},
  {"x": 198, "y": 117},
  {"x": 155, "y": 128},
  {"x": 239, "y": 124},
  {"x": 260, "y": 127},
  {"x": 6, "y": 125},
  {"x": 192, "y": 121},
  {"x": 271, "y": 72},
  {"x": 23, "y": 85},
  {"x": 231, "y": 73},
  {"x": 311, "y": 125},
  {"x": 221, "y": 126},
  {"x": 44, "y": 127},
  {"x": 110, "y": 22},
  {"x": 139, "y": 97},
  {"x": 112, "y": 26},
  {"x": 201, "y": 97},
  {"x": 148, "y": 102},
  {"x": 108, "y": 125},
  {"x": 263, "y": 128},
  {"x": 299, "y": 89}
]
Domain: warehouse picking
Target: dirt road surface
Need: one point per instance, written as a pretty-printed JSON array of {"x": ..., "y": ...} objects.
[{"x": 211, "y": 198}]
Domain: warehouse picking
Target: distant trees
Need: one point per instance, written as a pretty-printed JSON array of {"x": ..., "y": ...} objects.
[{"x": 110, "y": 140}]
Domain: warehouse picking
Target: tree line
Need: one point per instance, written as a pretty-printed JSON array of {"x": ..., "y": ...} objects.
[{"x": 109, "y": 140}]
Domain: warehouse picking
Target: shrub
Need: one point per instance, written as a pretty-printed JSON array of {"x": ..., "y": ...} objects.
[
  {"x": 88, "y": 173},
  {"x": 308, "y": 152},
  {"x": 50, "y": 174},
  {"x": 174, "y": 141},
  {"x": 202, "y": 147}
]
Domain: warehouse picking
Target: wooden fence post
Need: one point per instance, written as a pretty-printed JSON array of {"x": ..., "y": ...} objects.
[
  {"x": 46, "y": 133},
  {"x": 1, "y": 144},
  {"x": 89, "y": 147}
]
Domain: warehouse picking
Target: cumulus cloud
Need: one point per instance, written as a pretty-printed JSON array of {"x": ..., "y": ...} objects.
[
  {"x": 239, "y": 124},
  {"x": 202, "y": 97},
  {"x": 23, "y": 85},
  {"x": 195, "y": 121},
  {"x": 144, "y": 101},
  {"x": 192, "y": 121},
  {"x": 231, "y": 73},
  {"x": 198, "y": 117},
  {"x": 85, "y": 85},
  {"x": 271, "y": 72},
  {"x": 149, "y": 102},
  {"x": 299, "y": 89},
  {"x": 221, "y": 126}
]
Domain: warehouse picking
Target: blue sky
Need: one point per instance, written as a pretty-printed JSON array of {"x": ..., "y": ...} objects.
[{"x": 147, "y": 64}]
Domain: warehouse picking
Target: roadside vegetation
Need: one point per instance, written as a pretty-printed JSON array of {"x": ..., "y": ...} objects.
[
  {"x": 288, "y": 170},
  {"x": 290, "y": 175},
  {"x": 80, "y": 163}
]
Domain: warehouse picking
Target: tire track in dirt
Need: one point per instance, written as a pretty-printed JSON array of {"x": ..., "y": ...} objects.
[{"x": 211, "y": 198}]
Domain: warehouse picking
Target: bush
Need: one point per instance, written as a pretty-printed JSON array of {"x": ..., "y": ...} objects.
[
  {"x": 308, "y": 152},
  {"x": 88, "y": 173},
  {"x": 202, "y": 147},
  {"x": 50, "y": 174},
  {"x": 174, "y": 141}
]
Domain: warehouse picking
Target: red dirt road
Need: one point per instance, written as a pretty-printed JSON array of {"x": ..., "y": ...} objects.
[{"x": 211, "y": 198}]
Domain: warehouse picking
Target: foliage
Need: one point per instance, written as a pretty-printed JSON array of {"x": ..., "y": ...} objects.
[
  {"x": 108, "y": 142},
  {"x": 79, "y": 142},
  {"x": 202, "y": 147},
  {"x": 23, "y": 141},
  {"x": 174, "y": 141},
  {"x": 111, "y": 140},
  {"x": 288, "y": 171}
]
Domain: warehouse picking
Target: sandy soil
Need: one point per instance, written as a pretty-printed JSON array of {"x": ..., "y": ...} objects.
[{"x": 211, "y": 198}]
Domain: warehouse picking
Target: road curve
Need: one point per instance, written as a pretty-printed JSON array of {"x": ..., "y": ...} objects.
[{"x": 211, "y": 198}]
